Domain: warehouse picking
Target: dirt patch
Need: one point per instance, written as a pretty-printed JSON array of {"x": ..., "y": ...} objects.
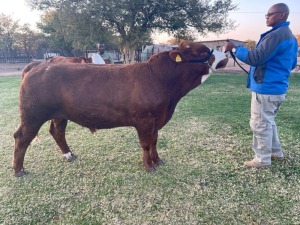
[{"x": 11, "y": 69}]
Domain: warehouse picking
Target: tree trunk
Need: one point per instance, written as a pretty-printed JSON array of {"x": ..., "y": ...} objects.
[{"x": 129, "y": 55}]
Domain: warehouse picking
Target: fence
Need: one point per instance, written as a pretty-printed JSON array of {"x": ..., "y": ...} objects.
[{"x": 16, "y": 59}]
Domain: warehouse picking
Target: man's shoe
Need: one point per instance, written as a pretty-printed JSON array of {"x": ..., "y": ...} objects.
[
  {"x": 254, "y": 164},
  {"x": 275, "y": 157}
]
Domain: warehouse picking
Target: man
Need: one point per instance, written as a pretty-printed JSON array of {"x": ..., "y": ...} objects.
[
  {"x": 105, "y": 56},
  {"x": 97, "y": 58},
  {"x": 271, "y": 63}
]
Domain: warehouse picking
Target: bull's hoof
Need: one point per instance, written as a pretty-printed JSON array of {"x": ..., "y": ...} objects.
[
  {"x": 20, "y": 173},
  {"x": 151, "y": 170},
  {"x": 70, "y": 157},
  {"x": 159, "y": 163}
]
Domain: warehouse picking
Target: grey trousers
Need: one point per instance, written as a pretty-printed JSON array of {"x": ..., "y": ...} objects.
[{"x": 264, "y": 109}]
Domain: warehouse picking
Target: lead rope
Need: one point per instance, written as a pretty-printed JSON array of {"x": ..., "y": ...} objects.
[{"x": 234, "y": 58}]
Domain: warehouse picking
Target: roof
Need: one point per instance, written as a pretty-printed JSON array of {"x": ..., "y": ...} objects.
[{"x": 223, "y": 40}]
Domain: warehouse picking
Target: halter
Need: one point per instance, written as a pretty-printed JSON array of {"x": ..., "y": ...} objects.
[{"x": 205, "y": 60}]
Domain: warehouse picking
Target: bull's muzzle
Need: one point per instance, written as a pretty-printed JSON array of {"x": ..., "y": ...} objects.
[{"x": 220, "y": 60}]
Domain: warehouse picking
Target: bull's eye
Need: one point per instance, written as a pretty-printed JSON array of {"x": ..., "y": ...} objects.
[{"x": 203, "y": 54}]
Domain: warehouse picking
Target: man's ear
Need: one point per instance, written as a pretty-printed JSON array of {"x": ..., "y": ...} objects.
[{"x": 175, "y": 55}]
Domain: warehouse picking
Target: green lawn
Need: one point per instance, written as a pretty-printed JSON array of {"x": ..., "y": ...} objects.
[{"x": 202, "y": 182}]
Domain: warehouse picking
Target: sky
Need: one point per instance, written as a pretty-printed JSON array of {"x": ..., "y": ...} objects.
[
  {"x": 249, "y": 18},
  {"x": 19, "y": 10}
]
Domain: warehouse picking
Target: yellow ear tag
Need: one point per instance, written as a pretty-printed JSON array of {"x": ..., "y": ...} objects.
[{"x": 178, "y": 58}]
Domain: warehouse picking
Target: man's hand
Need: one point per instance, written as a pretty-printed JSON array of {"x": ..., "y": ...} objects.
[{"x": 229, "y": 46}]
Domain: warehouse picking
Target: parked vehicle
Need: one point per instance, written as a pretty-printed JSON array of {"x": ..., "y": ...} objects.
[
  {"x": 149, "y": 50},
  {"x": 49, "y": 55}
]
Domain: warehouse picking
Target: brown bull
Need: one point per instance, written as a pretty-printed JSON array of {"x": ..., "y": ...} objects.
[
  {"x": 62, "y": 59},
  {"x": 142, "y": 95}
]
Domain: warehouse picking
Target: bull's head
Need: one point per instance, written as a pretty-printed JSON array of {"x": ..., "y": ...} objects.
[{"x": 195, "y": 52}]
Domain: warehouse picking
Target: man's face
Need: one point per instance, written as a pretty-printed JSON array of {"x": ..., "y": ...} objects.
[
  {"x": 101, "y": 49},
  {"x": 274, "y": 17}
]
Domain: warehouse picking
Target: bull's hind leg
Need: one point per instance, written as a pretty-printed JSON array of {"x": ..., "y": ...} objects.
[
  {"x": 148, "y": 140},
  {"x": 23, "y": 137},
  {"x": 58, "y": 131}
]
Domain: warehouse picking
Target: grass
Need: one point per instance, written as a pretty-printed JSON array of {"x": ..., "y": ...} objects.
[{"x": 202, "y": 182}]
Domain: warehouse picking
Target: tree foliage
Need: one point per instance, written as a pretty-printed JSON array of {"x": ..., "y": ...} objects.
[
  {"x": 71, "y": 31},
  {"x": 250, "y": 44},
  {"x": 18, "y": 38},
  {"x": 8, "y": 31},
  {"x": 298, "y": 39},
  {"x": 25, "y": 39},
  {"x": 133, "y": 21}
]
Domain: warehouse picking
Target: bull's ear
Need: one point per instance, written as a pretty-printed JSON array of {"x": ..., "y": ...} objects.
[{"x": 175, "y": 56}]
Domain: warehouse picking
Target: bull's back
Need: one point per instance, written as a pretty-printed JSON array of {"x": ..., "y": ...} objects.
[{"x": 111, "y": 83}]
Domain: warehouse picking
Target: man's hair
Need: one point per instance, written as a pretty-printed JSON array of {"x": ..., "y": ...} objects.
[{"x": 282, "y": 7}]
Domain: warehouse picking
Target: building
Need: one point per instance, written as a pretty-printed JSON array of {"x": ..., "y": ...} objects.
[{"x": 149, "y": 50}]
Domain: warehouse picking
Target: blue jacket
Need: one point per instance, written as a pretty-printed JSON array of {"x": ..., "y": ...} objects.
[{"x": 272, "y": 60}]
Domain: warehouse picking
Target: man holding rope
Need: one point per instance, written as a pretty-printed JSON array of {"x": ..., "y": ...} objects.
[{"x": 271, "y": 63}]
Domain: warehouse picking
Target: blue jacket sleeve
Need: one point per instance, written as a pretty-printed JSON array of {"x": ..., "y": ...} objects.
[{"x": 241, "y": 53}]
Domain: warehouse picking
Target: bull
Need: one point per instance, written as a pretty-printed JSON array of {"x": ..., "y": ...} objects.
[
  {"x": 142, "y": 95},
  {"x": 63, "y": 59}
]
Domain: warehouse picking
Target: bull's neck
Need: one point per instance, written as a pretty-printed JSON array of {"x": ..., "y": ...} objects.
[{"x": 178, "y": 78}]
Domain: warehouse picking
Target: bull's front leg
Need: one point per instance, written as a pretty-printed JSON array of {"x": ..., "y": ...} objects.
[
  {"x": 148, "y": 140},
  {"x": 58, "y": 132},
  {"x": 153, "y": 152}
]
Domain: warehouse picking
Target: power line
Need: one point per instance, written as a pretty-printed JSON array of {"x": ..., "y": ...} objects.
[{"x": 264, "y": 12}]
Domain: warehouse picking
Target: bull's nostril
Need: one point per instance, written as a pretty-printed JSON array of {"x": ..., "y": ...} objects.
[{"x": 222, "y": 63}]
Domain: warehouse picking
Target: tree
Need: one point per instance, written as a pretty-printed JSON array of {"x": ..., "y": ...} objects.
[
  {"x": 56, "y": 31},
  {"x": 178, "y": 37},
  {"x": 250, "y": 44},
  {"x": 298, "y": 39},
  {"x": 8, "y": 31},
  {"x": 181, "y": 35},
  {"x": 25, "y": 39},
  {"x": 15, "y": 39},
  {"x": 70, "y": 30},
  {"x": 133, "y": 21}
]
